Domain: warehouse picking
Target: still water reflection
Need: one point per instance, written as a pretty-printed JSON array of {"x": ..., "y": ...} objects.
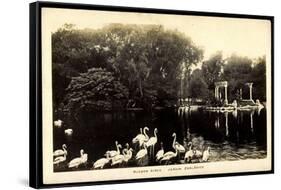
[{"x": 234, "y": 135}]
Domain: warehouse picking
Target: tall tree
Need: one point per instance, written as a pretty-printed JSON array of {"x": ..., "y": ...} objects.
[
  {"x": 237, "y": 72},
  {"x": 96, "y": 89},
  {"x": 198, "y": 87},
  {"x": 212, "y": 70},
  {"x": 258, "y": 77}
]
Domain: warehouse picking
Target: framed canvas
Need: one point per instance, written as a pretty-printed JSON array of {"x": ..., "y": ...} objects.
[{"x": 121, "y": 94}]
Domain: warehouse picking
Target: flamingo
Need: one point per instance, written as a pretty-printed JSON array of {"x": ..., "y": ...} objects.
[
  {"x": 79, "y": 160},
  {"x": 152, "y": 141},
  {"x": 160, "y": 153},
  {"x": 138, "y": 137},
  {"x": 168, "y": 156},
  {"x": 144, "y": 138},
  {"x": 128, "y": 155},
  {"x": 127, "y": 147},
  {"x": 101, "y": 162},
  {"x": 58, "y": 123},
  {"x": 122, "y": 158},
  {"x": 190, "y": 153},
  {"x": 142, "y": 153},
  {"x": 61, "y": 152},
  {"x": 60, "y": 159},
  {"x": 119, "y": 159},
  {"x": 68, "y": 131},
  {"x": 206, "y": 155},
  {"x": 177, "y": 145},
  {"x": 116, "y": 152}
]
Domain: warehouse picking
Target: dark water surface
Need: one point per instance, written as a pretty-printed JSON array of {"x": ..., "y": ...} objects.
[{"x": 234, "y": 135}]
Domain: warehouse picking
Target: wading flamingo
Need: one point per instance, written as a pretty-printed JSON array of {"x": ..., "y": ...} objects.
[
  {"x": 189, "y": 154},
  {"x": 79, "y": 160},
  {"x": 151, "y": 142},
  {"x": 145, "y": 138},
  {"x": 160, "y": 153},
  {"x": 128, "y": 155},
  {"x": 116, "y": 152},
  {"x": 138, "y": 137},
  {"x": 141, "y": 153},
  {"x": 168, "y": 156},
  {"x": 101, "y": 162},
  {"x": 61, "y": 152},
  {"x": 206, "y": 155},
  {"x": 59, "y": 159}
]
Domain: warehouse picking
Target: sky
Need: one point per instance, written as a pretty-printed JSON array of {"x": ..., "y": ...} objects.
[{"x": 245, "y": 37}]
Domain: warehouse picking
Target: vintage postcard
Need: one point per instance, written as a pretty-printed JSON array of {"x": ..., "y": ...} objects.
[{"x": 130, "y": 95}]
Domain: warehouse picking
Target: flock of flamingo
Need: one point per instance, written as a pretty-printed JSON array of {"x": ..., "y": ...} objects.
[{"x": 144, "y": 149}]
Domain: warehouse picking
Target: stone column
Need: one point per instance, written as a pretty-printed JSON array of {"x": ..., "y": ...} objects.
[
  {"x": 250, "y": 87},
  {"x": 225, "y": 94},
  {"x": 217, "y": 93}
]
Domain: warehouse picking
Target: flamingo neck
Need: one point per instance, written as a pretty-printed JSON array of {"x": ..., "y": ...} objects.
[
  {"x": 140, "y": 130},
  {"x": 118, "y": 150},
  {"x": 175, "y": 137},
  {"x": 144, "y": 131},
  {"x": 155, "y": 134}
]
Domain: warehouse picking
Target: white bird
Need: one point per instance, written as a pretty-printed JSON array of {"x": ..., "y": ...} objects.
[
  {"x": 116, "y": 152},
  {"x": 168, "y": 156},
  {"x": 79, "y": 160},
  {"x": 118, "y": 159},
  {"x": 128, "y": 155},
  {"x": 160, "y": 153},
  {"x": 68, "y": 131},
  {"x": 189, "y": 154},
  {"x": 206, "y": 155},
  {"x": 138, "y": 137},
  {"x": 101, "y": 162},
  {"x": 127, "y": 147},
  {"x": 58, "y": 123},
  {"x": 142, "y": 153},
  {"x": 177, "y": 145},
  {"x": 60, "y": 159},
  {"x": 61, "y": 152},
  {"x": 145, "y": 138},
  {"x": 152, "y": 141}
]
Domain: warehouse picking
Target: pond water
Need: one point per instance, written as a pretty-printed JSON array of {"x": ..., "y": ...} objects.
[{"x": 234, "y": 135}]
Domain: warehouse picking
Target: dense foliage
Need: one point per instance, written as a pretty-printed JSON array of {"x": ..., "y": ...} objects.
[
  {"x": 147, "y": 60},
  {"x": 236, "y": 70},
  {"x": 127, "y": 66},
  {"x": 96, "y": 89}
]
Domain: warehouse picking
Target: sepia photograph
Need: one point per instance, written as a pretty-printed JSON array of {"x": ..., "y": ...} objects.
[{"x": 136, "y": 95}]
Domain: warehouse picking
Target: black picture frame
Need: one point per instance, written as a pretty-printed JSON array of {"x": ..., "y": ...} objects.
[{"x": 35, "y": 82}]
